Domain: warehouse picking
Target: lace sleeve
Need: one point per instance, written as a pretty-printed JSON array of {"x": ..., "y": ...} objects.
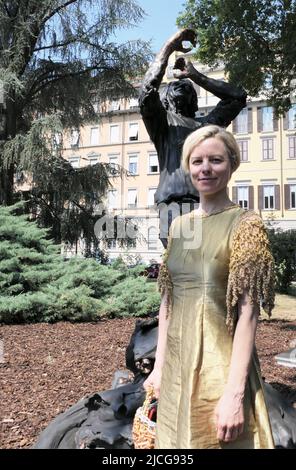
[{"x": 251, "y": 267}]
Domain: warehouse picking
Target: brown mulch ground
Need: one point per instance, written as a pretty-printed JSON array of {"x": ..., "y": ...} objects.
[{"x": 47, "y": 368}]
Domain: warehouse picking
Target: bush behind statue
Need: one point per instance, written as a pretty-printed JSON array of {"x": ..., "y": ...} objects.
[
  {"x": 283, "y": 246},
  {"x": 37, "y": 285}
]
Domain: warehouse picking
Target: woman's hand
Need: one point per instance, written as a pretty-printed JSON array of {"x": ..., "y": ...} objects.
[
  {"x": 229, "y": 416},
  {"x": 153, "y": 380}
]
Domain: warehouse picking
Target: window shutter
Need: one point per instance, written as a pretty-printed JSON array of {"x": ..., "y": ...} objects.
[
  {"x": 234, "y": 126},
  {"x": 259, "y": 120},
  {"x": 234, "y": 194},
  {"x": 251, "y": 197},
  {"x": 275, "y": 122},
  {"x": 287, "y": 196},
  {"x": 286, "y": 121},
  {"x": 260, "y": 197},
  {"x": 250, "y": 120},
  {"x": 277, "y": 197}
]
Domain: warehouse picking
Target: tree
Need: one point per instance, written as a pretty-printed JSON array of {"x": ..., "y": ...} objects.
[
  {"x": 36, "y": 284},
  {"x": 59, "y": 59},
  {"x": 255, "y": 39}
]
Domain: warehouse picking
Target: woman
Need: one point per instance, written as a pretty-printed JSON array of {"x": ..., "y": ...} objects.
[{"x": 211, "y": 389}]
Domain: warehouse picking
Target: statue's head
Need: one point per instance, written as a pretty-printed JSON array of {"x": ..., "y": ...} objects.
[{"x": 180, "y": 97}]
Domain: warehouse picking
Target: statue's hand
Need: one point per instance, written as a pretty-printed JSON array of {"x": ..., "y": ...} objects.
[
  {"x": 183, "y": 69},
  {"x": 184, "y": 35}
]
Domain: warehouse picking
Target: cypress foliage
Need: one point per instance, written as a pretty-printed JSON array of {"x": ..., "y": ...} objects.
[
  {"x": 37, "y": 284},
  {"x": 59, "y": 62}
]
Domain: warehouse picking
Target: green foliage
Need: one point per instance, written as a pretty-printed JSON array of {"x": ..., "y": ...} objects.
[
  {"x": 255, "y": 39},
  {"x": 36, "y": 284},
  {"x": 59, "y": 60},
  {"x": 283, "y": 246}
]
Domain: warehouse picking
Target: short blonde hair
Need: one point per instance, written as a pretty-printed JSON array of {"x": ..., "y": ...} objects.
[{"x": 206, "y": 132}]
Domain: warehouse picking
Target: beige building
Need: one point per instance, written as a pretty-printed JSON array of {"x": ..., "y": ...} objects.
[{"x": 265, "y": 180}]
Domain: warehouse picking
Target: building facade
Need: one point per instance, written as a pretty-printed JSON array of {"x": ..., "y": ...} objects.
[{"x": 264, "y": 182}]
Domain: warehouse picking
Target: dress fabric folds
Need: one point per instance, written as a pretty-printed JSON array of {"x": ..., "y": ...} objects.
[{"x": 204, "y": 280}]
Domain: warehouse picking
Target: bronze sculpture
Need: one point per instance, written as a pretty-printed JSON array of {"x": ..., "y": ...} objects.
[{"x": 170, "y": 116}]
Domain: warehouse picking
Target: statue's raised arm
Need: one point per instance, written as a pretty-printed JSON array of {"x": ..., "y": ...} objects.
[
  {"x": 233, "y": 98},
  {"x": 157, "y": 69}
]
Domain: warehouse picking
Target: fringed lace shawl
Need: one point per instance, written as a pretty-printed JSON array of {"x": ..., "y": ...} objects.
[
  {"x": 251, "y": 267},
  {"x": 164, "y": 280}
]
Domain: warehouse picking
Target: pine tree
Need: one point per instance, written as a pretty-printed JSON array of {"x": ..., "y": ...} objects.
[
  {"x": 58, "y": 60},
  {"x": 36, "y": 284}
]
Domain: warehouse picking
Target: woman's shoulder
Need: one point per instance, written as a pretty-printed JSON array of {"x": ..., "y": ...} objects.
[{"x": 247, "y": 219}]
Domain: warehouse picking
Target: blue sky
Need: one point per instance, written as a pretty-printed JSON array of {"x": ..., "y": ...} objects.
[{"x": 158, "y": 25}]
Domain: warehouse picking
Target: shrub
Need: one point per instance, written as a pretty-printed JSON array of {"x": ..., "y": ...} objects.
[
  {"x": 283, "y": 247},
  {"x": 36, "y": 284}
]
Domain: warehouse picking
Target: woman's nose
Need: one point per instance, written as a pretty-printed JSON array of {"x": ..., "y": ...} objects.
[{"x": 206, "y": 166}]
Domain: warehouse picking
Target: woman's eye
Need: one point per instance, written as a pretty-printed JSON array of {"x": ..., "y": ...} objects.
[
  {"x": 216, "y": 160},
  {"x": 196, "y": 162}
]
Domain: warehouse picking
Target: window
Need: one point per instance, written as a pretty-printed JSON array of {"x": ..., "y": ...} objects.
[
  {"x": 75, "y": 162},
  {"x": 268, "y": 197},
  {"x": 93, "y": 159},
  {"x": 94, "y": 136},
  {"x": 111, "y": 244},
  {"x": 151, "y": 192},
  {"x": 133, "y": 103},
  {"x": 152, "y": 238},
  {"x": 267, "y": 149},
  {"x": 132, "y": 198},
  {"x": 243, "y": 147},
  {"x": 292, "y": 117},
  {"x": 114, "y": 105},
  {"x": 267, "y": 118},
  {"x": 293, "y": 196},
  {"x": 132, "y": 243},
  {"x": 57, "y": 140},
  {"x": 153, "y": 163},
  {"x": 133, "y": 164},
  {"x": 292, "y": 146},
  {"x": 243, "y": 196},
  {"x": 133, "y": 131},
  {"x": 113, "y": 162},
  {"x": 74, "y": 138},
  {"x": 96, "y": 106},
  {"x": 114, "y": 134},
  {"x": 242, "y": 122},
  {"x": 112, "y": 199}
]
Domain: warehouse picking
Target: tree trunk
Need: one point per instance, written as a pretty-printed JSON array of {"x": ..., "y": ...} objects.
[
  {"x": 7, "y": 174},
  {"x": 6, "y": 186}
]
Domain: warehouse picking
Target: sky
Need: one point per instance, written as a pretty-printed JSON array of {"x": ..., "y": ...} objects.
[{"x": 158, "y": 25}]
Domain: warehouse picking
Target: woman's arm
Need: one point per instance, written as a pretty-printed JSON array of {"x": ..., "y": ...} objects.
[
  {"x": 229, "y": 412},
  {"x": 155, "y": 376}
]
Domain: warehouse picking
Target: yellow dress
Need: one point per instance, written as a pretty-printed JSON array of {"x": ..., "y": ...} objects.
[{"x": 204, "y": 282}]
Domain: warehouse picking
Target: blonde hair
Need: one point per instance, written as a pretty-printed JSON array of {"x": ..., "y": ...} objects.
[{"x": 206, "y": 132}]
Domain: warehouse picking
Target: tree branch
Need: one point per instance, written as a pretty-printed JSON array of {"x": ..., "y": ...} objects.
[
  {"x": 61, "y": 77},
  {"x": 82, "y": 209},
  {"x": 40, "y": 199},
  {"x": 56, "y": 10}
]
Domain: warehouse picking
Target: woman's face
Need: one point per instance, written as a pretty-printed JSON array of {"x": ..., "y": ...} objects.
[{"x": 209, "y": 166}]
